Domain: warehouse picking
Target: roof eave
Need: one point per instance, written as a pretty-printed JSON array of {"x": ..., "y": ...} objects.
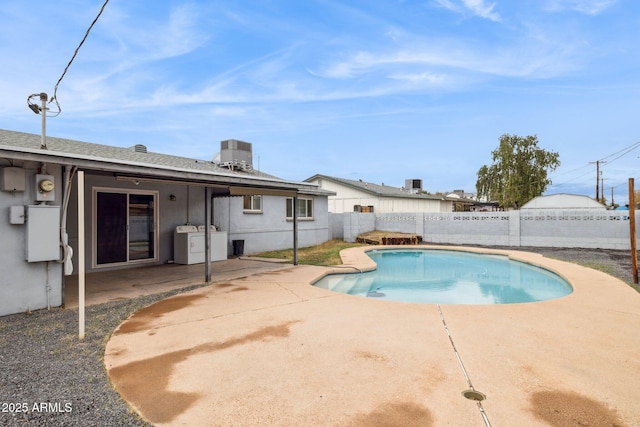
[{"x": 147, "y": 169}]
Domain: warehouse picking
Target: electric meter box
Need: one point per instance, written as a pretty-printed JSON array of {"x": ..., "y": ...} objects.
[
  {"x": 43, "y": 233},
  {"x": 45, "y": 184},
  {"x": 12, "y": 179}
]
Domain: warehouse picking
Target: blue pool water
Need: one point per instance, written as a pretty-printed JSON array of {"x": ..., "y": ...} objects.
[{"x": 449, "y": 277}]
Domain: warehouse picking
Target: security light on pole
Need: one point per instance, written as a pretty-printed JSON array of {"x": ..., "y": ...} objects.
[{"x": 42, "y": 110}]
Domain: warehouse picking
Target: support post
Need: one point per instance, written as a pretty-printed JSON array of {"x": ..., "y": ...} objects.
[
  {"x": 632, "y": 230},
  {"x": 81, "y": 269},
  {"x": 43, "y": 113},
  {"x": 207, "y": 235},
  {"x": 295, "y": 230}
]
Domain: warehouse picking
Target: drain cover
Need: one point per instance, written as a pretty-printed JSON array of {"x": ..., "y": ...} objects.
[
  {"x": 474, "y": 395},
  {"x": 375, "y": 294}
]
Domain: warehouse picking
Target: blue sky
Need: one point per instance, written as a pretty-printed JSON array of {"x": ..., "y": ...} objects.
[{"x": 375, "y": 90}]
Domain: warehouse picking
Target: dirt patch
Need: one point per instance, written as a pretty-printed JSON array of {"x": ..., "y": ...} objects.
[
  {"x": 145, "y": 383},
  {"x": 408, "y": 414},
  {"x": 570, "y": 409},
  {"x": 141, "y": 320},
  {"x": 371, "y": 356},
  {"x": 239, "y": 288},
  {"x": 224, "y": 285}
]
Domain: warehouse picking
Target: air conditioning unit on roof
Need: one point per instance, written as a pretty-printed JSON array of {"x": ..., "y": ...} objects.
[
  {"x": 413, "y": 186},
  {"x": 236, "y": 154}
]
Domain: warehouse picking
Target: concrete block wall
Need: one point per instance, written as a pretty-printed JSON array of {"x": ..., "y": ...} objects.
[
  {"x": 336, "y": 226},
  {"x": 575, "y": 228},
  {"x": 477, "y": 228},
  {"x": 357, "y": 223},
  {"x": 543, "y": 228},
  {"x": 398, "y": 223}
]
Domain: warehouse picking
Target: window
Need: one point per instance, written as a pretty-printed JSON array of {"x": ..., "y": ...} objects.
[
  {"x": 252, "y": 204},
  {"x": 359, "y": 208},
  {"x": 304, "y": 211}
]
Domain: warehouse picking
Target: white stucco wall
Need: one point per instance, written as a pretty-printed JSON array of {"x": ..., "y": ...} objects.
[
  {"x": 26, "y": 285},
  {"x": 270, "y": 229},
  {"x": 347, "y": 197}
]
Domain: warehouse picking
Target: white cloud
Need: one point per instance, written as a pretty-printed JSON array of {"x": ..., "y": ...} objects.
[
  {"x": 476, "y": 7},
  {"x": 481, "y": 9},
  {"x": 588, "y": 7},
  {"x": 444, "y": 62},
  {"x": 424, "y": 77}
]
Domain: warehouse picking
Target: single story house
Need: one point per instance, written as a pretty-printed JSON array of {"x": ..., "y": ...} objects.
[
  {"x": 563, "y": 201},
  {"x": 360, "y": 196},
  {"x": 126, "y": 205}
]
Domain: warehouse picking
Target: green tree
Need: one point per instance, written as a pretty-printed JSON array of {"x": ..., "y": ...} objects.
[{"x": 518, "y": 173}]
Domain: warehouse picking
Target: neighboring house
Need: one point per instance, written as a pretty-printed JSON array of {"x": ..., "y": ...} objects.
[
  {"x": 563, "y": 201},
  {"x": 360, "y": 196},
  {"x": 132, "y": 203}
]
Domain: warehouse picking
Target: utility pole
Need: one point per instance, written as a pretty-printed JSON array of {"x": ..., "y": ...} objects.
[
  {"x": 598, "y": 162},
  {"x": 632, "y": 230},
  {"x": 612, "y": 203}
]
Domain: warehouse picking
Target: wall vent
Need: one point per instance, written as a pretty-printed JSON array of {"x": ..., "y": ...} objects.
[{"x": 139, "y": 148}]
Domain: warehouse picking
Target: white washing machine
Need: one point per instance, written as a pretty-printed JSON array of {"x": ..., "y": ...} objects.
[{"x": 188, "y": 245}]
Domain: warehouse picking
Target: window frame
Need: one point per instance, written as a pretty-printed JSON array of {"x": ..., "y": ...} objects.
[
  {"x": 308, "y": 206},
  {"x": 155, "y": 205},
  {"x": 252, "y": 199}
]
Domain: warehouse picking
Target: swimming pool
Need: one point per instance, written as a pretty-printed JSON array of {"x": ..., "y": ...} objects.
[{"x": 449, "y": 277}]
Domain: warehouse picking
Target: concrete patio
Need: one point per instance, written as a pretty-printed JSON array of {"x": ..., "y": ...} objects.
[
  {"x": 113, "y": 285},
  {"x": 268, "y": 349}
]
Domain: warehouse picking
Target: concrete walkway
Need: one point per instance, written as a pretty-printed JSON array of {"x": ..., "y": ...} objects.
[
  {"x": 113, "y": 285},
  {"x": 270, "y": 350}
]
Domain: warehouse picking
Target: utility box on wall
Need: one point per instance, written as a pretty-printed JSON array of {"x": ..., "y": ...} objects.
[
  {"x": 12, "y": 179},
  {"x": 43, "y": 233},
  {"x": 16, "y": 214}
]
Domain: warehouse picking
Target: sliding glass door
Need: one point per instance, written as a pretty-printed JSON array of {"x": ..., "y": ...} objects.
[{"x": 125, "y": 224}]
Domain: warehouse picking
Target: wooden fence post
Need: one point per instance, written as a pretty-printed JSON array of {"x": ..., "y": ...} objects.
[{"x": 632, "y": 230}]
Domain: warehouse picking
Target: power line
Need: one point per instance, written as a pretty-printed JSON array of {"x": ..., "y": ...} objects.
[
  {"x": 624, "y": 151},
  {"x": 86, "y": 34},
  {"x": 618, "y": 154}
]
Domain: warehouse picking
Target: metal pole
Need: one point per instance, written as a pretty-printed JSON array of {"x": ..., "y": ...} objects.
[
  {"x": 632, "y": 230},
  {"x": 207, "y": 236},
  {"x": 43, "y": 113},
  {"x": 295, "y": 230},
  {"x": 81, "y": 254},
  {"x": 598, "y": 181}
]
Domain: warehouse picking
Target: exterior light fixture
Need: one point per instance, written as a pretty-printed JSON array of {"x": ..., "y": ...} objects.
[{"x": 43, "y": 112}]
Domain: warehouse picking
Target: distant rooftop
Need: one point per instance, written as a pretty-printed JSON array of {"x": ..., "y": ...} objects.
[{"x": 380, "y": 190}]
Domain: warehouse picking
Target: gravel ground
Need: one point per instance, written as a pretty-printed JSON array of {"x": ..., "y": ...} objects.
[{"x": 50, "y": 378}]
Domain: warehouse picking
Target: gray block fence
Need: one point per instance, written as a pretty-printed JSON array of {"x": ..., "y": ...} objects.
[{"x": 580, "y": 228}]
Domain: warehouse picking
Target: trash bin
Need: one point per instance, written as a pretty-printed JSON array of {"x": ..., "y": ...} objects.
[{"x": 238, "y": 247}]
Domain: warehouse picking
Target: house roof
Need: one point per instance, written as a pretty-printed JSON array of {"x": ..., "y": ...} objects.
[
  {"x": 379, "y": 190},
  {"x": 138, "y": 161},
  {"x": 563, "y": 201}
]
